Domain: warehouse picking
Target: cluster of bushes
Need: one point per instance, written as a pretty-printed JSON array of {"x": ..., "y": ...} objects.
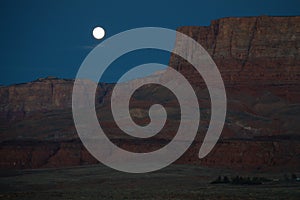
[
  {"x": 292, "y": 177},
  {"x": 239, "y": 180}
]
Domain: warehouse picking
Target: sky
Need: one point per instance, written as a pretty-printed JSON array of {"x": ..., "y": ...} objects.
[{"x": 52, "y": 38}]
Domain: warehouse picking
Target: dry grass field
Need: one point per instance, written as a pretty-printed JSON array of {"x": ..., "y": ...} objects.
[{"x": 173, "y": 182}]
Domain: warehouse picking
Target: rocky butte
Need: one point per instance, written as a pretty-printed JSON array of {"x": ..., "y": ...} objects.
[{"x": 259, "y": 60}]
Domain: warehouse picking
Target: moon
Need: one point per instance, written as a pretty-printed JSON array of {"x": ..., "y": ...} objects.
[{"x": 98, "y": 33}]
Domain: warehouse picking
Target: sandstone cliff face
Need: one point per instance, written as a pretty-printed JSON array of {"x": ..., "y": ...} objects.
[
  {"x": 255, "y": 51},
  {"x": 44, "y": 94},
  {"x": 259, "y": 60}
]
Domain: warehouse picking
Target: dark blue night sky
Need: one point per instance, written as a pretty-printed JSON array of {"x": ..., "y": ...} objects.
[{"x": 51, "y": 38}]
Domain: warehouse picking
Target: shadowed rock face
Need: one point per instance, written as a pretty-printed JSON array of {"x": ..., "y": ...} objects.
[
  {"x": 259, "y": 60},
  {"x": 44, "y": 94},
  {"x": 249, "y": 51}
]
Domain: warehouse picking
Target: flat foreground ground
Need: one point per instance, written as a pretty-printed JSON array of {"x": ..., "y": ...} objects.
[{"x": 173, "y": 182}]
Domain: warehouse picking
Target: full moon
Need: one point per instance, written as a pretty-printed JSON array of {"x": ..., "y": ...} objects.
[{"x": 98, "y": 33}]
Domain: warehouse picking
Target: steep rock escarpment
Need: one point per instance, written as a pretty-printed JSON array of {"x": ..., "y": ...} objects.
[
  {"x": 44, "y": 94},
  {"x": 250, "y": 52}
]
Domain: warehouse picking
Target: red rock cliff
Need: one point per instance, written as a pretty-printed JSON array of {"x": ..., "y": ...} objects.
[{"x": 252, "y": 51}]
